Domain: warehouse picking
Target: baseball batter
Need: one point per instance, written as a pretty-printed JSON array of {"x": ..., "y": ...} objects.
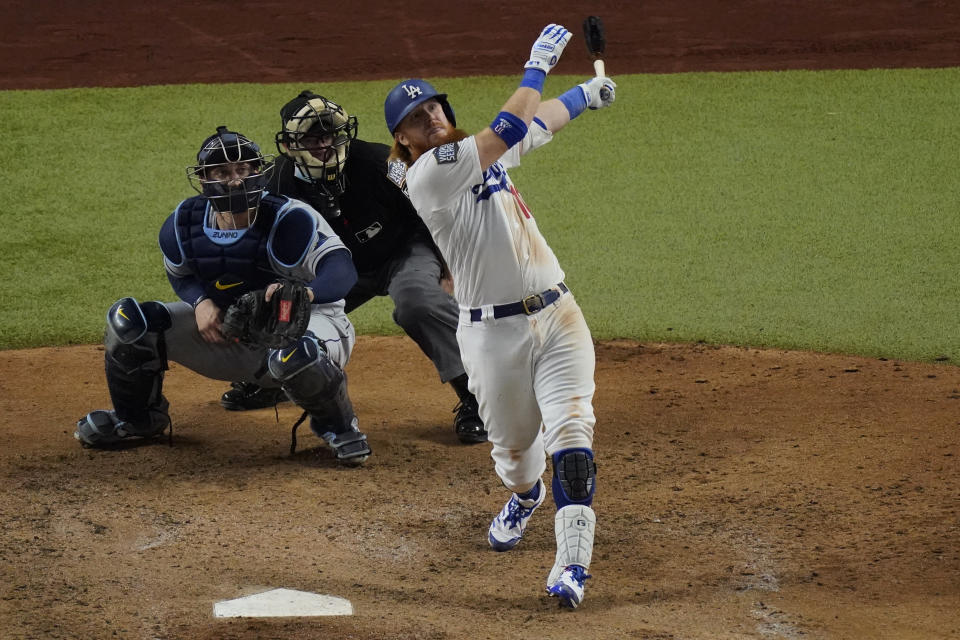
[
  {"x": 524, "y": 342},
  {"x": 232, "y": 239}
]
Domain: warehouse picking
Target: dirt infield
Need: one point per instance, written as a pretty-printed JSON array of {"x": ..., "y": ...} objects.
[
  {"x": 50, "y": 44},
  {"x": 743, "y": 493}
]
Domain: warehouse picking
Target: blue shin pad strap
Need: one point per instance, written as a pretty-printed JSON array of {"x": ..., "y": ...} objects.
[{"x": 574, "y": 477}]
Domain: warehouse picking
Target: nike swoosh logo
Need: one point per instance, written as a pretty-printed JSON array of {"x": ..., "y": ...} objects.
[
  {"x": 288, "y": 356},
  {"x": 121, "y": 313},
  {"x": 224, "y": 287}
]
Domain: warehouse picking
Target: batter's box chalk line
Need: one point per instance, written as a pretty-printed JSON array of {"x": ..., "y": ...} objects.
[{"x": 277, "y": 603}]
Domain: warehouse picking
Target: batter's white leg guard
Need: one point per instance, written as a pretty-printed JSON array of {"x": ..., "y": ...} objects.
[{"x": 574, "y": 526}]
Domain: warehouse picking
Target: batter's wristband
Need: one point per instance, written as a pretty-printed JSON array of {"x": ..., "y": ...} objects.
[
  {"x": 574, "y": 101},
  {"x": 534, "y": 79},
  {"x": 509, "y": 127}
]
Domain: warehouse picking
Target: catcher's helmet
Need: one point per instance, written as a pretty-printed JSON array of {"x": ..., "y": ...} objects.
[
  {"x": 407, "y": 96},
  {"x": 316, "y": 134},
  {"x": 223, "y": 148}
]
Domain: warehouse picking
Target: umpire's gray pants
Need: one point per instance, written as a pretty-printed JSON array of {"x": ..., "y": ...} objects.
[{"x": 426, "y": 313}]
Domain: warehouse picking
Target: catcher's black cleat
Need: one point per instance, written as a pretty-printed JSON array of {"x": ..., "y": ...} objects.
[
  {"x": 467, "y": 422},
  {"x": 244, "y": 396},
  {"x": 104, "y": 430},
  {"x": 350, "y": 446}
]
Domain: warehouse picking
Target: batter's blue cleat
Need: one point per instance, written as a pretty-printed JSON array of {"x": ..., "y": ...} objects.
[
  {"x": 569, "y": 586},
  {"x": 507, "y": 528}
]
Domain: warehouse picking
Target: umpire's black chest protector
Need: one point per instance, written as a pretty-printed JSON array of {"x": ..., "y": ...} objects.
[
  {"x": 229, "y": 270},
  {"x": 376, "y": 218}
]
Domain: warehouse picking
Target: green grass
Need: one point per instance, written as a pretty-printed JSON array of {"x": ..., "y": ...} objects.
[{"x": 812, "y": 210}]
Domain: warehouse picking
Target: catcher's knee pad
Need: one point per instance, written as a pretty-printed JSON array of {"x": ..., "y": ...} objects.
[
  {"x": 128, "y": 321},
  {"x": 305, "y": 365},
  {"x": 574, "y": 477},
  {"x": 135, "y": 359},
  {"x": 315, "y": 383}
]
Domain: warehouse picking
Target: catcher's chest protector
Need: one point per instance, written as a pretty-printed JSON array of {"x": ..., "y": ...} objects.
[{"x": 246, "y": 258}]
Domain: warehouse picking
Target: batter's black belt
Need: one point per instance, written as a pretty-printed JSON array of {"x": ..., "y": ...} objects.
[{"x": 528, "y": 306}]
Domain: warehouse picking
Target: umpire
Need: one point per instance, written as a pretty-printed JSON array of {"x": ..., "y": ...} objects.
[{"x": 323, "y": 163}]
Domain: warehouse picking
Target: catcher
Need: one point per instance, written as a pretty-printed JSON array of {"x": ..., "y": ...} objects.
[{"x": 261, "y": 281}]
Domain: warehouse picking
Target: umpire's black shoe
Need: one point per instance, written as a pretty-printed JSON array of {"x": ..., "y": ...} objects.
[
  {"x": 244, "y": 396},
  {"x": 467, "y": 422}
]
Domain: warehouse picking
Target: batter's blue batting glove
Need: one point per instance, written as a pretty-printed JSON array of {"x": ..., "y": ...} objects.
[{"x": 548, "y": 47}]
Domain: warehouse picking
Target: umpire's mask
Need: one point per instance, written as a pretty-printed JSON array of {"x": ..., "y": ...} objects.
[{"x": 316, "y": 135}]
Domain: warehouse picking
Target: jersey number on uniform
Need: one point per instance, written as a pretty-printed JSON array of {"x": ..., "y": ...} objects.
[{"x": 520, "y": 203}]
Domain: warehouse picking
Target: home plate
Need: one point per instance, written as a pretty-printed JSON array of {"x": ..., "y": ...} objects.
[{"x": 282, "y": 603}]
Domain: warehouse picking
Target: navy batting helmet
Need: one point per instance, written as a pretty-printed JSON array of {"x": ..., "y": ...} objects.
[{"x": 407, "y": 96}]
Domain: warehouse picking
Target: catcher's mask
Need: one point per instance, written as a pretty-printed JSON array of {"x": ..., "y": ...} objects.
[
  {"x": 230, "y": 172},
  {"x": 316, "y": 135},
  {"x": 407, "y": 96}
]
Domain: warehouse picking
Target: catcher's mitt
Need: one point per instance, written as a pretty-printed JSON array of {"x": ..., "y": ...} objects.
[{"x": 276, "y": 323}]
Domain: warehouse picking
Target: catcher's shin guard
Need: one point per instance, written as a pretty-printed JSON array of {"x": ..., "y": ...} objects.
[
  {"x": 315, "y": 383},
  {"x": 574, "y": 477},
  {"x": 135, "y": 361}
]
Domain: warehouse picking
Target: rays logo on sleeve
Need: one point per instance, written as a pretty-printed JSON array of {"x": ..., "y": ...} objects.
[{"x": 446, "y": 153}]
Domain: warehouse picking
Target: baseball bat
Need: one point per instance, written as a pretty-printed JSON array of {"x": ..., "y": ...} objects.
[{"x": 596, "y": 43}]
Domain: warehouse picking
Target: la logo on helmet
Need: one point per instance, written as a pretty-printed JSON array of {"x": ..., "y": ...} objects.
[{"x": 412, "y": 91}]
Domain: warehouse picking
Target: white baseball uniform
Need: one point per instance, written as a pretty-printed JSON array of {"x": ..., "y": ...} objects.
[{"x": 527, "y": 371}]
